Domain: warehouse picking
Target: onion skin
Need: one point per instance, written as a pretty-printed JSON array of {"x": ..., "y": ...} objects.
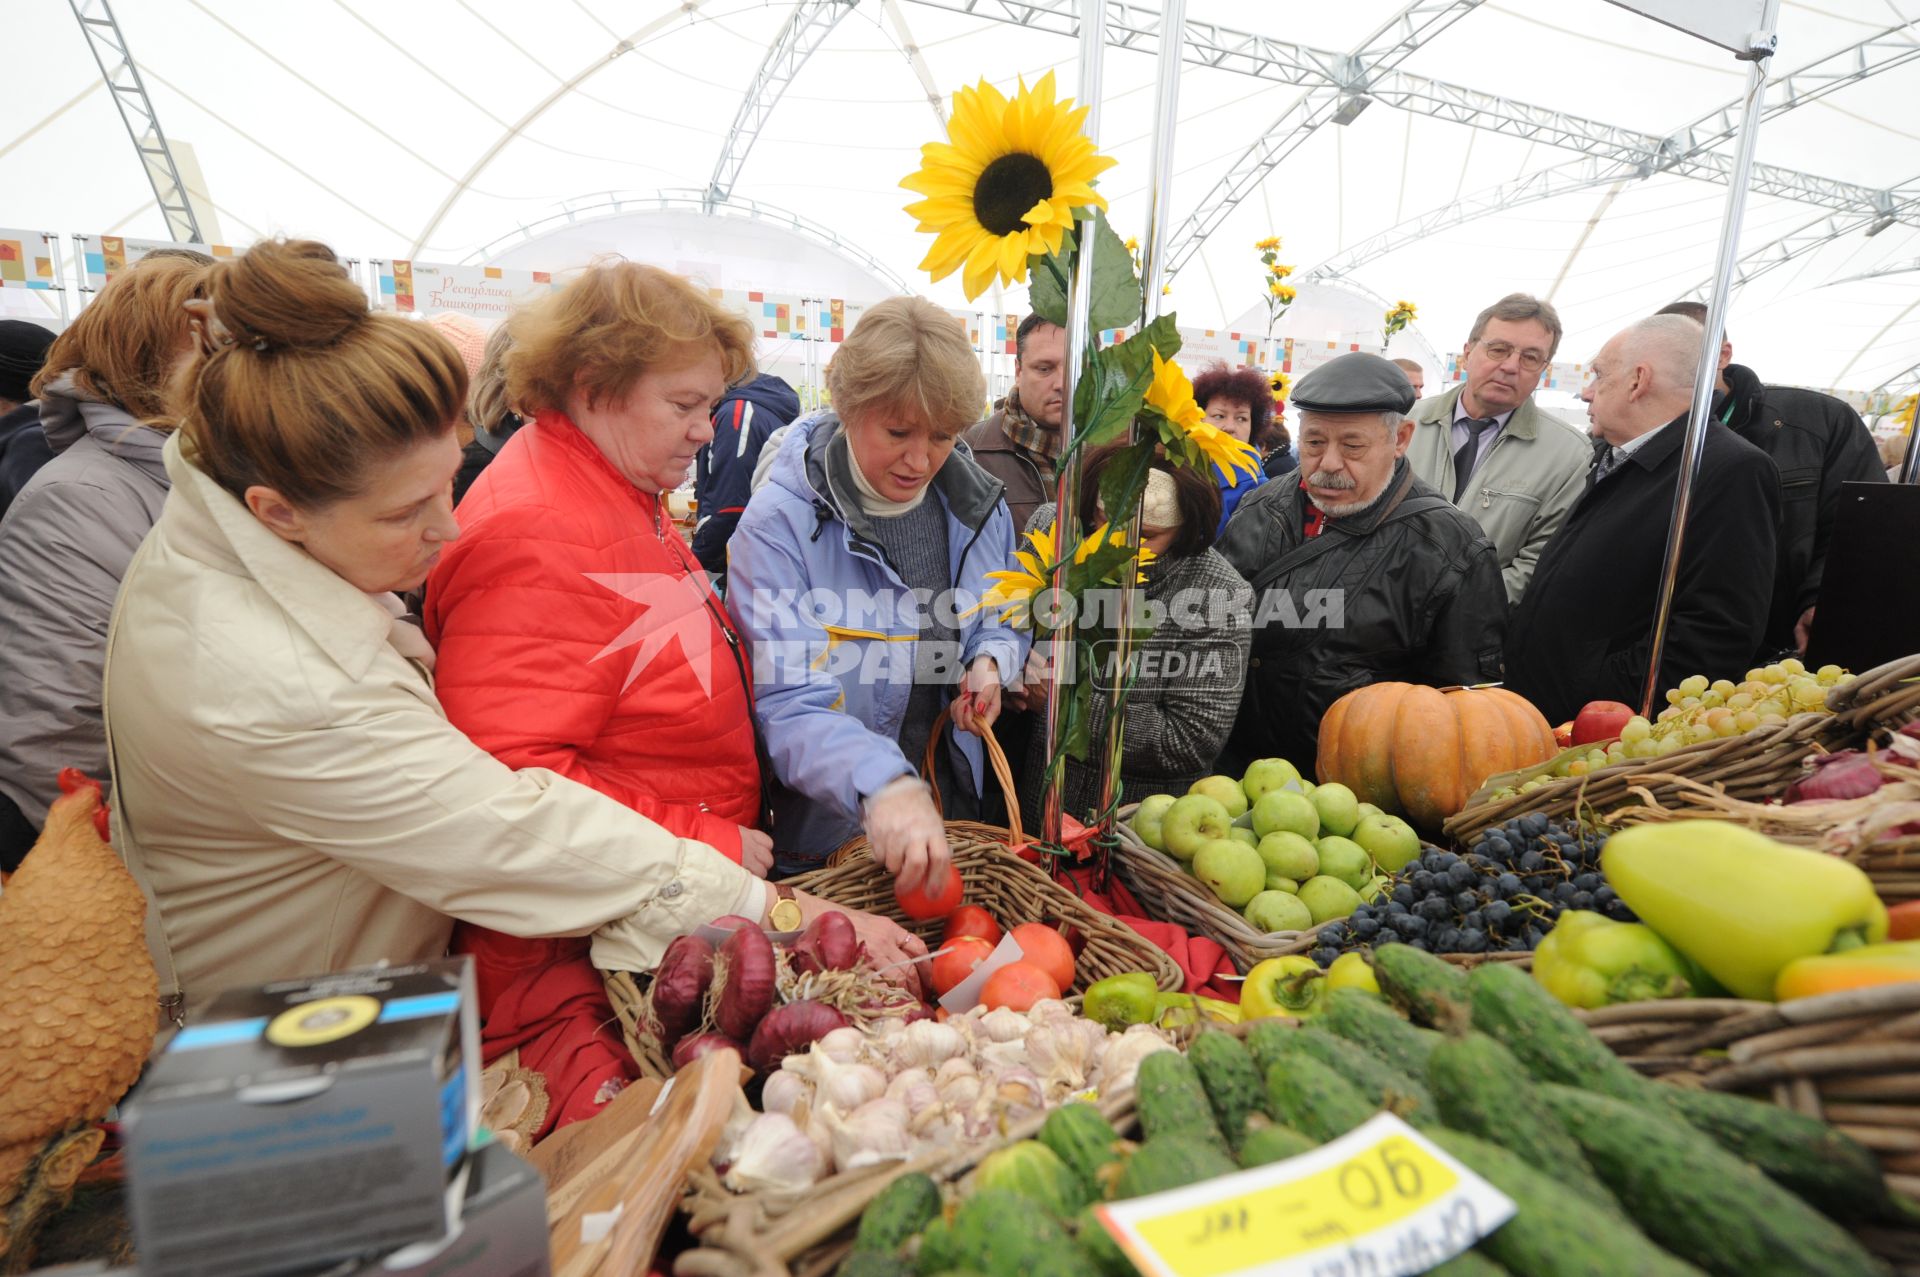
[
  {"x": 731, "y": 922},
  {"x": 680, "y": 986},
  {"x": 789, "y": 1030},
  {"x": 828, "y": 944},
  {"x": 691, "y": 1049},
  {"x": 1848, "y": 774},
  {"x": 746, "y": 983}
]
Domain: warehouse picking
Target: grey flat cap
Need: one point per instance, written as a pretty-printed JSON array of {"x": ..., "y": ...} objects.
[{"x": 1355, "y": 382}]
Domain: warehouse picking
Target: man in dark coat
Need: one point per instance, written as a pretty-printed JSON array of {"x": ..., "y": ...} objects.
[
  {"x": 1019, "y": 442},
  {"x": 1584, "y": 629},
  {"x": 1819, "y": 443},
  {"x": 723, "y": 473},
  {"x": 23, "y": 444},
  {"x": 1361, "y": 572}
]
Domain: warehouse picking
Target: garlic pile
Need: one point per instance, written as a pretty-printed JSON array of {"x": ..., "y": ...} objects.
[{"x": 897, "y": 1090}]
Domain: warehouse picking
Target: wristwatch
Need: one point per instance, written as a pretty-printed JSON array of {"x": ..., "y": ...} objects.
[{"x": 785, "y": 915}]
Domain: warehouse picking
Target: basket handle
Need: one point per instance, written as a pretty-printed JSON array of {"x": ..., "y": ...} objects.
[{"x": 996, "y": 759}]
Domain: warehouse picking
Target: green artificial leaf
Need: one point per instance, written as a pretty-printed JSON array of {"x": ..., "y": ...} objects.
[
  {"x": 1106, "y": 402},
  {"x": 1116, "y": 288},
  {"x": 1124, "y": 479},
  {"x": 1047, "y": 284}
]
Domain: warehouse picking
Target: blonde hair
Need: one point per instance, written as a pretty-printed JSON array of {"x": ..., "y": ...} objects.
[
  {"x": 123, "y": 347},
  {"x": 487, "y": 395},
  {"x": 605, "y": 329},
  {"x": 311, "y": 391},
  {"x": 907, "y": 353}
]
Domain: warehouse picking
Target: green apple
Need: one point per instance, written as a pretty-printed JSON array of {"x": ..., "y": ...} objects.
[
  {"x": 1267, "y": 775},
  {"x": 1389, "y": 840},
  {"x": 1345, "y": 859},
  {"x": 1307, "y": 787},
  {"x": 1289, "y": 885},
  {"x": 1191, "y": 822},
  {"x": 1368, "y": 809},
  {"x": 1247, "y": 836},
  {"x": 1376, "y": 889},
  {"x": 1278, "y": 911},
  {"x": 1339, "y": 809},
  {"x": 1284, "y": 810},
  {"x": 1224, "y": 790},
  {"x": 1233, "y": 869},
  {"x": 1289, "y": 855},
  {"x": 1146, "y": 820},
  {"x": 1328, "y": 898}
]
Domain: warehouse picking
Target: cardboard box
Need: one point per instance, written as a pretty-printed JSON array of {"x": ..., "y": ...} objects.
[
  {"x": 307, "y": 1121},
  {"x": 502, "y": 1231}
]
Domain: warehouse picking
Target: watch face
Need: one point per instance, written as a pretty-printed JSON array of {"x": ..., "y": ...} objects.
[{"x": 786, "y": 916}]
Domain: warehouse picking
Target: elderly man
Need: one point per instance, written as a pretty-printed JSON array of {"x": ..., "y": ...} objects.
[
  {"x": 1584, "y": 631},
  {"x": 1819, "y": 443},
  {"x": 1513, "y": 468},
  {"x": 1020, "y": 443},
  {"x": 1361, "y": 572}
]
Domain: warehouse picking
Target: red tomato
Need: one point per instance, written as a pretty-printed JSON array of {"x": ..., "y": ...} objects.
[
  {"x": 957, "y": 963},
  {"x": 1047, "y": 949},
  {"x": 1017, "y": 986},
  {"x": 924, "y": 905},
  {"x": 972, "y": 920}
]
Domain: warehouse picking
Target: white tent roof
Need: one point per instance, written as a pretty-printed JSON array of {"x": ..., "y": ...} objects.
[{"x": 411, "y": 130}]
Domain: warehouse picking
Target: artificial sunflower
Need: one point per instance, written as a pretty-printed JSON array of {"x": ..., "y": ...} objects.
[
  {"x": 1171, "y": 395},
  {"x": 1133, "y": 246},
  {"x": 1284, "y": 292},
  {"x": 1279, "y": 270},
  {"x": 1271, "y": 244},
  {"x": 1005, "y": 185},
  {"x": 1282, "y": 385},
  {"x": 1013, "y": 590}
]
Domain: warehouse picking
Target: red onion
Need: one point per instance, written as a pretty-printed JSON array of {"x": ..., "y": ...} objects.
[
  {"x": 791, "y": 1029},
  {"x": 746, "y": 981},
  {"x": 828, "y": 944},
  {"x": 1847, "y": 774},
  {"x": 691, "y": 1049},
  {"x": 680, "y": 986},
  {"x": 731, "y": 922}
]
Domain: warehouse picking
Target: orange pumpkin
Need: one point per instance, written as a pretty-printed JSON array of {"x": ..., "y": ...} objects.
[{"x": 1421, "y": 752}]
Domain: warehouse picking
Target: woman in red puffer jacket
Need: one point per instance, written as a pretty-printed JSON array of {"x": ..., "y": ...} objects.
[{"x": 576, "y": 631}]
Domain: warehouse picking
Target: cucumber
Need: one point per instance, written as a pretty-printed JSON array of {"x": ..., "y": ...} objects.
[
  {"x": 1100, "y": 1247},
  {"x": 1169, "y": 1097},
  {"x": 1555, "y": 1047},
  {"x": 1545, "y": 1238},
  {"x": 1172, "y": 1161},
  {"x": 1272, "y": 1144},
  {"x": 1364, "y": 1019},
  {"x": 1082, "y": 1139},
  {"x": 1482, "y": 1090},
  {"x": 1313, "y": 1099},
  {"x": 1000, "y": 1235},
  {"x": 1801, "y": 1153},
  {"x": 900, "y": 1210},
  {"x": 1701, "y": 1201},
  {"x": 1433, "y": 992},
  {"x": 1387, "y": 1087},
  {"x": 874, "y": 1263},
  {"x": 1229, "y": 1078}
]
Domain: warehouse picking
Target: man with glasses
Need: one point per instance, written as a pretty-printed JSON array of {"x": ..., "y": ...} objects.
[{"x": 1510, "y": 466}]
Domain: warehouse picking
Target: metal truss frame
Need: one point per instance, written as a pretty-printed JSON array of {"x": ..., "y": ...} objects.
[
  {"x": 122, "y": 74},
  {"x": 806, "y": 29}
]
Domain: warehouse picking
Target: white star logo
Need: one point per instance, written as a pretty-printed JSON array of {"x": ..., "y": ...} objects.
[{"x": 675, "y": 607}]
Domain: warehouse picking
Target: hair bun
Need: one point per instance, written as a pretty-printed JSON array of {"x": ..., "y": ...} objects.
[{"x": 287, "y": 294}]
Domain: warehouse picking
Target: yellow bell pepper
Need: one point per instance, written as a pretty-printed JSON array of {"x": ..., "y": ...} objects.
[
  {"x": 1861, "y": 968},
  {"x": 1174, "y": 1010},
  {"x": 1589, "y": 960},
  {"x": 1350, "y": 971},
  {"x": 1739, "y": 904}
]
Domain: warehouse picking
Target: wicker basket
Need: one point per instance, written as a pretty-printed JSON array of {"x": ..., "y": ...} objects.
[
  {"x": 1169, "y": 894},
  {"x": 1887, "y": 696}
]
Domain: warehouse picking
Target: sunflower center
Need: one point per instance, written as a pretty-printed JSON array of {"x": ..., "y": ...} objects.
[{"x": 1007, "y": 189}]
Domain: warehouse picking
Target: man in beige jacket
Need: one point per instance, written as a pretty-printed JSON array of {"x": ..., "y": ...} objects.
[{"x": 1512, "y": 467}]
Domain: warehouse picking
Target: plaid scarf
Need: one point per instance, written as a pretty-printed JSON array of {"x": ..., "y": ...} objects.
[{"x": 1029, "y": 435}]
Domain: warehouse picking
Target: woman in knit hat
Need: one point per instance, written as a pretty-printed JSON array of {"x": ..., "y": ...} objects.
[{"x": 23, "y": 444}]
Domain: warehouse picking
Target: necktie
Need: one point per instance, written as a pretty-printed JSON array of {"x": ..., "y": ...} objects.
[
  {"x": 1469, "y": 452},
  {"x": 1606, "y": 459}
]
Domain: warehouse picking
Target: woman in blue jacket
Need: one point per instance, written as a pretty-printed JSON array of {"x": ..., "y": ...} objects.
[
  {"x": 853, "y": 575},
  {"x": 1240, "y": 402}
]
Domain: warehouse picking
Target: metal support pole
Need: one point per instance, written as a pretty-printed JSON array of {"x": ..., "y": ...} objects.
[
  {"x": 1166, "y": 113},
  {"x": 1910, "y": 464},
  {"x": 1093, "y": 50},
  {"x": 1708, "y": 372}
]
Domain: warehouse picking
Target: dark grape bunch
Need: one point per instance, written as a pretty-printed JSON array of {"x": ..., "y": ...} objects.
[{"x": 1501, "y": 896}]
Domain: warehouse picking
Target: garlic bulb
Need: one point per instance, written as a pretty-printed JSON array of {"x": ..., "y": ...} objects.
[
  {"x": 1049, "y": 1011},
  {"x": 1061, "y": 1055},
  {"x": 1017, "y": 1092},
  {"x": 1120, "y": 1057},
  {"x": 958, "y": 1083},
  {"x": 874, "y": 1132},
  {"x": 783, "y": 1091},
  {"x": 1003, "y": 1025},
  {"x": 915, "y": 1089},
  {"x": 847, "y": 1086},
  {"x": 995, "y": 1056},
  {"x": 773, "y": 1153},
  {"x": 843, "y": 1046},
  {"x": 926, "y": 1044}
]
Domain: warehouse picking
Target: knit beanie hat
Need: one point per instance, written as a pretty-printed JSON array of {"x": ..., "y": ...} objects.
[
  {"x": 467, "y": 337},
  {"x": 23, "y": 348}
]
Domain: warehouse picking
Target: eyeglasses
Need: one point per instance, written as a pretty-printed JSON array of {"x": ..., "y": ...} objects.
[{"x": 1501, "y": 351}]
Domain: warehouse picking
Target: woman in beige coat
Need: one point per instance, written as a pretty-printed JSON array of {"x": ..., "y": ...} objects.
[{"x": 286, "y": 785}]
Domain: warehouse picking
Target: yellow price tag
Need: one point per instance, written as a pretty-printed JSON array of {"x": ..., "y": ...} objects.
[{"x": 1379, "y": 1200}]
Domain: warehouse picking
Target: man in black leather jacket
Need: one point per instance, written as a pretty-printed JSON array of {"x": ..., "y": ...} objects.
[
  {"x": 1361, "y": 572},
  {"x": 1819, "y": 443}
]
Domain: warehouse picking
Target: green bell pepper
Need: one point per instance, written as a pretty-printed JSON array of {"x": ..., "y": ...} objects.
[
  {"x": 1589, "y": 960},
  {"x": 1121, "y": 1000},
  {"x": 1738, "y": 903}
]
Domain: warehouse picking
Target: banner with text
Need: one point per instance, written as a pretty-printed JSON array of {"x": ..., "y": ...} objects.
[
  {"x": 484, "y": 293},
  {"x": 104, "y": 256}
]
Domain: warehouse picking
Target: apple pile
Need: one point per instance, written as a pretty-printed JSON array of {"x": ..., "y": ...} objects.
[{"x": 1289, "y": 854}]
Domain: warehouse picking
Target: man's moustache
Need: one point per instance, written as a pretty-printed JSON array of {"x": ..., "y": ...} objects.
[{"x": 1337, "y": 482}]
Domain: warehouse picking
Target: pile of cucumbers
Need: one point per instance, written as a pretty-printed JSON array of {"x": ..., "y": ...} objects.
[{"x": 1611, "y": 1173}]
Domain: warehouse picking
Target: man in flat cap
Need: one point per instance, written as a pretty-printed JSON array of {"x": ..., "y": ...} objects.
[{"x": 1361, "y": 572}]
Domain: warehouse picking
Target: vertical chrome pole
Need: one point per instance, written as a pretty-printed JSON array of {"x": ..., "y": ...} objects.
[
  {"x": 1166, "y": 113},
  {"x": 1093, "y": 50},
  {"x": 1708, "y": 372},
  {"x": 1910, "y": 464}
]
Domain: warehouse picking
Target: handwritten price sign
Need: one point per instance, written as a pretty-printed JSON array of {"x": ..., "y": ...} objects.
[{"x": 1381, "y": 1201}]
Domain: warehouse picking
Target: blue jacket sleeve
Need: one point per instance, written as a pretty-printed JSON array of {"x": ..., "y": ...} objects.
[
  {"x": 815, "y": 747},
  {"x": 987, "y": 634},
  {"x": 737, "y": 440}
]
